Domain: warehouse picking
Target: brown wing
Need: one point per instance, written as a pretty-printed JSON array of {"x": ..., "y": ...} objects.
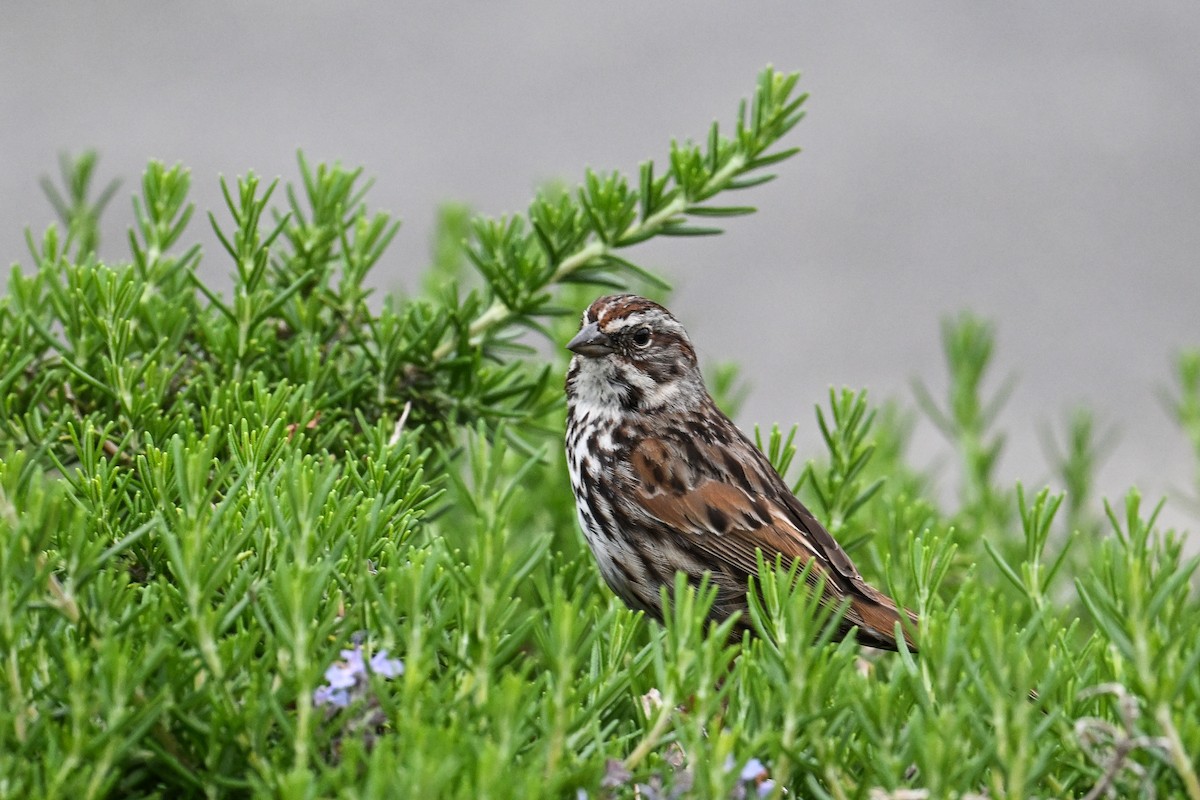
[{"x": 721, "y": 492}]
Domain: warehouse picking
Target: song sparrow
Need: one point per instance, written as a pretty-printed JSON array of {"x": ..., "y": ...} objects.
[{"x": 664, "y": 481}]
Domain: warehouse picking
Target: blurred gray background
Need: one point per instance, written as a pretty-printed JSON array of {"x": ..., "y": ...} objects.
[{"x": 1034, "y": 162}]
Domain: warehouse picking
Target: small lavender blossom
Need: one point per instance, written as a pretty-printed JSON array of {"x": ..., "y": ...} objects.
[
  {"x": 345, "y": 673},
  {"x": 328, "y": 696},
  {"x": 753, "y": 770},
  {"x": 387, "y": 667},
  {"x": 347, "y": 678}
]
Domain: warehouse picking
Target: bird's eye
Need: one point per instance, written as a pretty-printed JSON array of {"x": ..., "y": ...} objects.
[{"x": 642, "y": 337}]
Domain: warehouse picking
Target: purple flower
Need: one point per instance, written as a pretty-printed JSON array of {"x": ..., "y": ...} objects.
[
  {"x": 327, "y": 695},
  {"x": 345, "y": 673},
  {"x": 387, "y": 667},
  {"x": 753, "y": 770},
  {"x": 347, "y": 678}
]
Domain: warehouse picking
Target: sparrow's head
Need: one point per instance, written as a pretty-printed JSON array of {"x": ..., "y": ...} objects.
[{"x": 632, "y": 354}]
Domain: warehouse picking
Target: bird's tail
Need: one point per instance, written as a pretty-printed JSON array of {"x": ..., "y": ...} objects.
[{"x": 879, "y": 615}]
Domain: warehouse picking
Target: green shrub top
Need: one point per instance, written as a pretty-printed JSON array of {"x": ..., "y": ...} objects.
[{"x": 282, "y": 541}]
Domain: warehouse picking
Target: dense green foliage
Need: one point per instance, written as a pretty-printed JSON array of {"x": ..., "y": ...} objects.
[{"x": 205, "y": 499}]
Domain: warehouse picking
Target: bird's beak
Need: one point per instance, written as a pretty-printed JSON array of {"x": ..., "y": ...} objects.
[{"x": 590, "y": 342}]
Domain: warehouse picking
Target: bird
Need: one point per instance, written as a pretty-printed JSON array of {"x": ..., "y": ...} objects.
[{"x": 664, "y": 482}]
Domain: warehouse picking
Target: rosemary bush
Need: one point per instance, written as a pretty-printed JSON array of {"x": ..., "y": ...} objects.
[{"x": 283, "y": 543}]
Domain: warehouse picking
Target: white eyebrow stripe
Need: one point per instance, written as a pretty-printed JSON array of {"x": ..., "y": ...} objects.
[
  {"x": 626, "y": 322},
  {"x": 657, "y": 321}
]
